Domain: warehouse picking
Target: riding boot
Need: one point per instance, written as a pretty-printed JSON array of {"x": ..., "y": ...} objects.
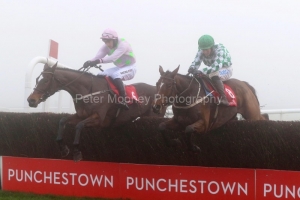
[
  {"x": 220, "y": 89},
  {"x": 122, "y": 94}
]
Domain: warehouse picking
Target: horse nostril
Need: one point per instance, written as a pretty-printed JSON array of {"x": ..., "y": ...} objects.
[
  {"x": 156, "y": 108},
  {"x": 31, "y": 101}
]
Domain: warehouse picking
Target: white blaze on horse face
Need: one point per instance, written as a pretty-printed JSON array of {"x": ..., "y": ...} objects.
[
  {"x": 155, "y": 99},
  {"x": 161, "y": 84}
]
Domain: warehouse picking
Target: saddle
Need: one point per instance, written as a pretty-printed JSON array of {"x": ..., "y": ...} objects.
[
  {"x": 129, "y": 89},
  {"x": 211, "y": 91}
]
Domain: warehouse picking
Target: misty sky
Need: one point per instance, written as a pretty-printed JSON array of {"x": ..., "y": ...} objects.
[{"x": 263, "y": 38}]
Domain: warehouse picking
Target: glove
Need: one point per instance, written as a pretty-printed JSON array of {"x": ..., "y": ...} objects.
[
  {"x": 198, "y": 73},
  {"x": 86, "y": 64},
  {"x": 191, "y": 70},
  {"x": 94, "y": 63}
]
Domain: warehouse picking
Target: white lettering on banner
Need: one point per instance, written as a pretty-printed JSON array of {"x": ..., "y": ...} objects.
[
  {"x": 58, "y": 178},
  {"x": 225, "y": 188},
  {"x": 158, "y": 184},
  {"x": 45, "y": 176},
  {"x": 217, "y": 187},
  {"x": 282, "y": 191},
  {"x": 192, "y": 182},
  {"x": 65, "y": 182},
  {"x": 186, "y": 186},
  {"x": 35, "y": 175}
]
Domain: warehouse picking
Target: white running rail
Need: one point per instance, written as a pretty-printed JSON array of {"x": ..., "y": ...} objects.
[
  {"x": 272, "y": 113},
  {"x": 281, "y": 112}
]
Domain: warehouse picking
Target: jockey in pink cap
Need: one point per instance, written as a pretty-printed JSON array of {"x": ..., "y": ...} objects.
[{"x": 120, "y": 53}]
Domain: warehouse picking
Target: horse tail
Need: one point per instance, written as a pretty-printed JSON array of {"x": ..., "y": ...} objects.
[
  {"x": 252, "y": 89},
  {"x": 263, "y": 116}
]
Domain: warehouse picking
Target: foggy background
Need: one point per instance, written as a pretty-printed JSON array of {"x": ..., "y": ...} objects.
[{"x": 261, "y": 36}]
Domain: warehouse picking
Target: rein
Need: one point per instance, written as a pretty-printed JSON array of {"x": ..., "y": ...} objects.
[
  {"x": 199, "y": 100},
  {"x": 91, "y": 94},
  {"x": 47, "y": 94}
]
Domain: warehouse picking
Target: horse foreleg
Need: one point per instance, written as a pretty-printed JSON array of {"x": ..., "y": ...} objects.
[
  {"x": 169, "y": 125},
  {"x": 72, "y": 119},
  {"x": 199, "y": 127},
  {"x": 93, "y": 120}
]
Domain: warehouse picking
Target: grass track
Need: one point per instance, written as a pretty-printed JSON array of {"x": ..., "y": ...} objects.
[{"x": 27, "y": 196}]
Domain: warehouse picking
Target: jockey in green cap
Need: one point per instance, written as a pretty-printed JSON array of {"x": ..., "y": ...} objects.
[{"x": 218, "y": 64}]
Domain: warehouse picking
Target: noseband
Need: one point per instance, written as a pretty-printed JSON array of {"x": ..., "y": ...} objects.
[{"x": 45, "y": 93}]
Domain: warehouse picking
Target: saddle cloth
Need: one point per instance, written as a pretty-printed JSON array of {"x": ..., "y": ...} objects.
[
  {"x": 129, "y": 89},
  {"x": 208, "y": 86}
]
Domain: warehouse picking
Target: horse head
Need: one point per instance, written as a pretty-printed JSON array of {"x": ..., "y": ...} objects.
[
  {"x": 45, "y": 87},
  {"x": 166, "y": 88}
]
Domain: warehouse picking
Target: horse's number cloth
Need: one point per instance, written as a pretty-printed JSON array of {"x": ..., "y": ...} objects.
[
  {"x": 229, "y": 94},
  {"x": 130, "y": 90}
]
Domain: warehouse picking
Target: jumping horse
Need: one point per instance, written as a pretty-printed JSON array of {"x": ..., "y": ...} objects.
[
  {"x": 94, "y": 101},
  {"x": 195, "y": 110}
]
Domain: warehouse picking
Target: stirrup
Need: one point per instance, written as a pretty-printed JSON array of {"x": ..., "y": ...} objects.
[
  {"x": 123, "y": 105},
  {"x": 222, "y": 103}
]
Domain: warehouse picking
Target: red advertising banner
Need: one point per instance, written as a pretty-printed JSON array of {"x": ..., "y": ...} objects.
[
  {"x": 147, "y": 182},
  {"x": 175, "y": 182},
  {"x": 274, "y": 184},
  {"x": 60, "y": 177}
]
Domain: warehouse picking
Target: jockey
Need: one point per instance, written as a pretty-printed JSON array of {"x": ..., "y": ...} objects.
[
  {"x": 119, "y": 52},
  {"x": 218, "y": 64}
]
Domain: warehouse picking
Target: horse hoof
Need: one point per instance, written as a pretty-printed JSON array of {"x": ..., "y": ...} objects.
[
  {"x": 195, "y": 149},
  {"x": 77, "y": 156},
  {"x": 173, "y": 142},
  {"x": 176, "y": 143},
  {"x": 64, "y": 151}
]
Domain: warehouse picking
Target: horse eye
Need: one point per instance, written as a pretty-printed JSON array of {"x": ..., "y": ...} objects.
[{"x": 44, "y": 81}]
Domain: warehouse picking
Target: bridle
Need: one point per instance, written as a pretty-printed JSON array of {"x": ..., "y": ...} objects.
[
  {"x": 198, "y": 100},
  {"x": 46, "y": 93},
  {"x": 174, "y": 89}
]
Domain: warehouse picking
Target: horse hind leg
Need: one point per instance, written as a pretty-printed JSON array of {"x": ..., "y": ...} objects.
[{"x": 252, "y": 114}]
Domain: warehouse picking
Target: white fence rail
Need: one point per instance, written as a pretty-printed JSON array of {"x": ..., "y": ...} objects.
[
  {"x": 283, "y": 112},
  {"x": 274, "y": 114}
]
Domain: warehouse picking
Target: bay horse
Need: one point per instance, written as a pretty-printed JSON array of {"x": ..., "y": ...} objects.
[
  {"x": 196, "y": 112},
  {"x": 94, "y": 102}
]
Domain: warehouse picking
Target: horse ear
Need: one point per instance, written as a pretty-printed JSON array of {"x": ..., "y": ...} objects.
[
  {"x": 46, "y": 66},
  {"x": 175, "y": 72},
  {"x": 161, "y": 70},
  {"x": 54, "y": 67}
]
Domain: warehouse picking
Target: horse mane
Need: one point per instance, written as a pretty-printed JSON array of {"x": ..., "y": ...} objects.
[
  {"x": 77, "y": 71},
  {"x": 181, "y": 75}
]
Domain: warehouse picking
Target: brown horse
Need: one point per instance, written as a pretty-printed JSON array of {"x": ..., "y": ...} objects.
[
  {"x": 95, "y": 103},
  {"x": 196, "y": 112}
]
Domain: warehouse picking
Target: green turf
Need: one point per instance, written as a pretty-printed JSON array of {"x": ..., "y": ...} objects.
[{"x": 27, "y": 196}]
